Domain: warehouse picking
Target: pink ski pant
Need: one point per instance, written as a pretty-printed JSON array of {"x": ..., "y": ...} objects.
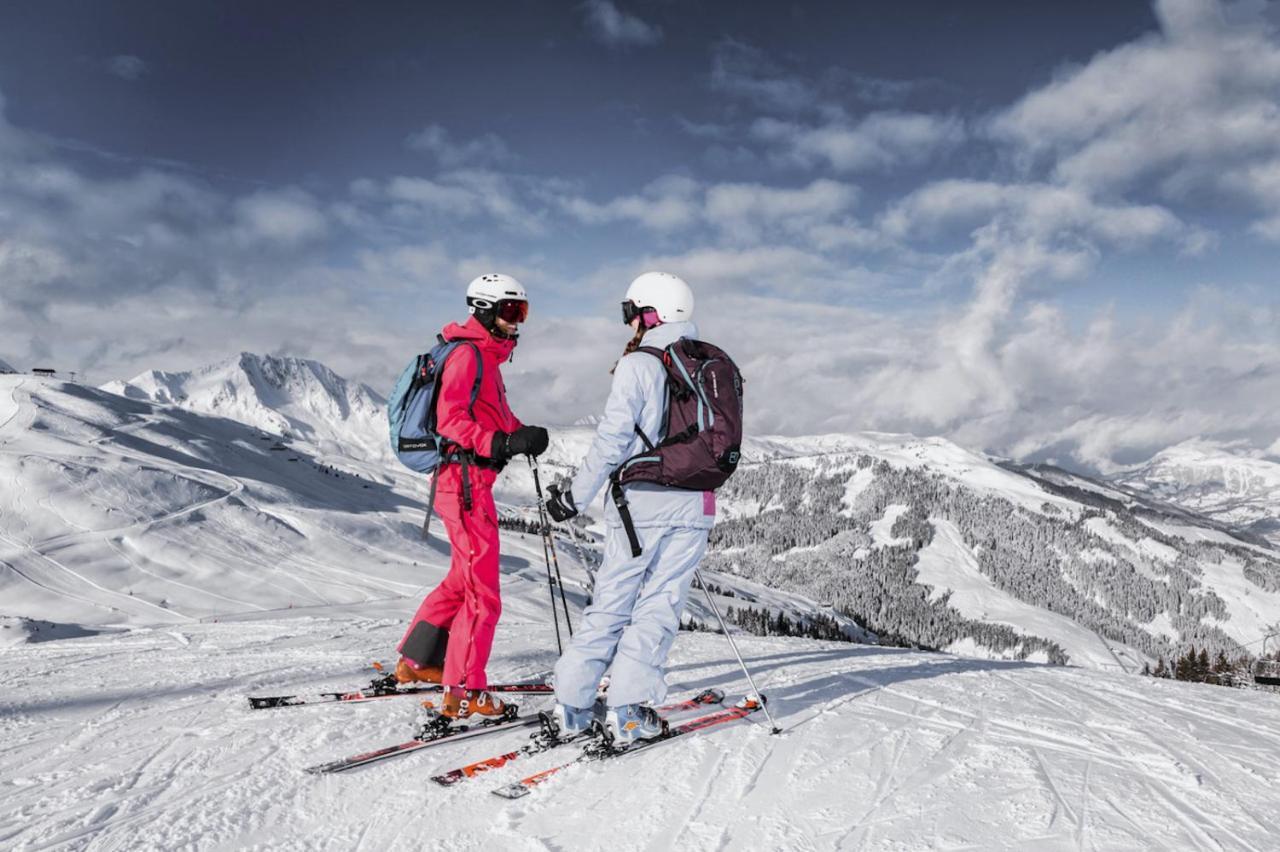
[{"x": 468, "y": 602}]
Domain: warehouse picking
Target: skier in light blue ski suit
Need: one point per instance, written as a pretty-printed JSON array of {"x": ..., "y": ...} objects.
[{"x": 637, "y": 601}]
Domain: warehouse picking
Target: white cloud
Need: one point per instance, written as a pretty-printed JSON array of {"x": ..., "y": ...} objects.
[
  {"x": 744, "y": 71},
  {"x": 1042, "y": 211},
  {"x": 610, "y": 25},
  {"x": 750, "y": 211},
  {"x": 289, "y": 217},
  {"x": 1193, "y": 107},
  {"x": 1016, "y": 378},
  {"x": 460, "y": 194},
  {"x": 429, "y": 268},
  {"x": 28, "y": 266},
  {"x": 879, "y": 141},
  {"x": 127, "y": 67},
  {"x": 435, "y": 195},
  {"x": 487, "y": 149},
  {"x": 876, "y": 90},
  {"x": 782, "y": 271},
  {"x": 667, "y": 204},
  {"x": 737, "y": 212},
  {"x": 153, "y": 269},
  {"x": 409, "y": 266}
]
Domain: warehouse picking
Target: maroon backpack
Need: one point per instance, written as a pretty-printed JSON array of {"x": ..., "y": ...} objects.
[{"x": 703, "y": 425}]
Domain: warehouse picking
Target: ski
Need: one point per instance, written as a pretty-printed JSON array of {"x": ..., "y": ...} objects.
[
  {"x": 545, "y": 740},
  {"x": 602, "y": 750},
  {"x": 385, "y": 687},
  {"x": 453, "y": 733}
]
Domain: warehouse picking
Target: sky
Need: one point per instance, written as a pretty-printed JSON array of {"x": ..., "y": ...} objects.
[{"x": 1045, "y": 231}]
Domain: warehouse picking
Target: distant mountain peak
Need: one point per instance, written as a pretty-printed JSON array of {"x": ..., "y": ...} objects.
[
  {"x": 1230, "y": 481},
  {"x": 282, "y": 394}
]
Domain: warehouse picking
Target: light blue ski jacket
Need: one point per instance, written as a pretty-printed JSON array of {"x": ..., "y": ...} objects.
[{"x": 638, "y": 397}]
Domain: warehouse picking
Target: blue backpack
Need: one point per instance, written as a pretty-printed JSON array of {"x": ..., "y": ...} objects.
[{"x": 411, "y": 408}]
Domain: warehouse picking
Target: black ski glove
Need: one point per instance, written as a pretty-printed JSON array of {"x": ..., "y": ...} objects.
[
  {"x": 560, "y": 503},
  {"x": 525, "y": 441}
]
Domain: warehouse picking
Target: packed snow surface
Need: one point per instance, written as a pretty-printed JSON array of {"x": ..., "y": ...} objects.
[{"x": 144, "y": 741}]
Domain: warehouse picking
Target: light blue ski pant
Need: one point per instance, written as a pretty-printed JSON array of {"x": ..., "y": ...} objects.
[{"x": 633, "y": 618}]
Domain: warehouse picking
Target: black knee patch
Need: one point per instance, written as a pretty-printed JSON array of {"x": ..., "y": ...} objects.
[{"x": 426, "y": 644}]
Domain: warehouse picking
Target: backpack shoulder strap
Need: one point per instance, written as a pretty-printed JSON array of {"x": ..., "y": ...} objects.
[
  {"x": 475, "y": 387},
  {"x": 660, "y": 354}
]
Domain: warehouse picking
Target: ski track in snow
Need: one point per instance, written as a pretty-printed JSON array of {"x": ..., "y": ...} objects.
[{"x": 139, "y": 741}]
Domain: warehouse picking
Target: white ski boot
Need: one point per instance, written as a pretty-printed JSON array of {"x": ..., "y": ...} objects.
[
  {"x": 571, "y": 721},
  {"x": 632, "y": 722}
]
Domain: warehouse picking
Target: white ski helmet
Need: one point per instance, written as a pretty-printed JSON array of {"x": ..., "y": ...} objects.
[
  {"x": 665, "y": 293},
  {"x": 495, "y": 296},
  {"x": 493, "y": 288}
]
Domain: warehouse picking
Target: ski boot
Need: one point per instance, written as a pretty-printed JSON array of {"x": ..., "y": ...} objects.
[
  {"x": 630, "y": 722},
  {"x": 461, "y": 709},
  {"x": 565, "y": 722},
  {"x": 406, "y": 672},
  {"x": 466, "y": 703}
]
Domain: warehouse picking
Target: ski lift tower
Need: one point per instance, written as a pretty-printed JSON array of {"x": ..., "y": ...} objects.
[{"x": 1266, "y": 672}]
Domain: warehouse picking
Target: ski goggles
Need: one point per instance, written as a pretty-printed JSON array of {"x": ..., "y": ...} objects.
[
  {"x": 512, "y": 310},
  {"x": 630, "y": 310}
]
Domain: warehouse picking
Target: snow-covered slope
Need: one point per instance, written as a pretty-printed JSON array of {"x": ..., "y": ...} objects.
[
  {"x": 206, "y": 564},
  {"x": 5, "y": 367},
  {"x": 1227, "y": 482},
  {"x": 924, "y": 541},
  {"x": 293, "y": 397},
  {"x": 144, "y": 742},
  {"x": 118, "y": 511},
  {"x": 917, "y": 539}
]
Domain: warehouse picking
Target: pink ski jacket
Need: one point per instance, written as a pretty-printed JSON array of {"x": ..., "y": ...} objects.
[{"x": 474, "y": 429}]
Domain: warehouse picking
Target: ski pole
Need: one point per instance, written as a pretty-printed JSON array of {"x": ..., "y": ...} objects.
[
  {"x": 734, "y": 645},
  {"x": 546, "y": 526},
  {"x": 588, "y": 565},
  {"x": 551, "y": 583}
]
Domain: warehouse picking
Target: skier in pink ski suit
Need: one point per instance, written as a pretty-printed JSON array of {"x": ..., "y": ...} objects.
[{"x": 452, "y": 632}]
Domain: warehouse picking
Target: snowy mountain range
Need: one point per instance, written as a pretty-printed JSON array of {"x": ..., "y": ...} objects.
[
  {"x": 916, "y": 540},
  {"x": 291, "y": 397},
  {"x": 1227, "y": 482},
  {"x": 5, "y": 367}
]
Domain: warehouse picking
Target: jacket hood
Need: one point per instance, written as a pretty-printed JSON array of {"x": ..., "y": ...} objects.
[{"x": 472, "y": 330}]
